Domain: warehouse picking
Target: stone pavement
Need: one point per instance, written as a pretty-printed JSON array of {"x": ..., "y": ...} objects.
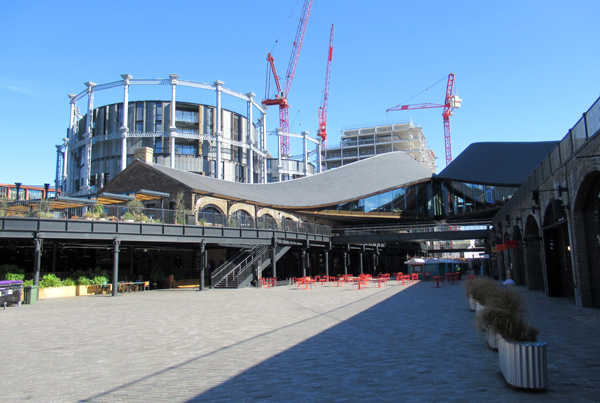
[{"x": 397, "y": 343}]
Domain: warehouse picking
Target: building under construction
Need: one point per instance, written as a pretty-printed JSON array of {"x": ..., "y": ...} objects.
[{"x": 361, "y": 143}]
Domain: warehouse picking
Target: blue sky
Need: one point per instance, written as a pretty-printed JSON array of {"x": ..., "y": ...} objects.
[{"x": 526, "y": 70}]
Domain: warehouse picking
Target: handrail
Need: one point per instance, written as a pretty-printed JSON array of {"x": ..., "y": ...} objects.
[
  {"x": 244, "y": 269},
  {"x": 217, "y": 276},
  {"x": 60, "y": 208}
]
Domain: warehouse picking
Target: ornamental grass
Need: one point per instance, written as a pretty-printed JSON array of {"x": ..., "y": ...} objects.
[{"x": 481, "y": 289}]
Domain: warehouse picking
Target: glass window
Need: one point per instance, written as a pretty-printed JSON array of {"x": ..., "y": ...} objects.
[
  {"x": 159, "y": 111},
  {"x": 469, "y": 201},
  {"x": 459, "y": 200},
  {"x": 120, "y": 114},
  {"x": 139, "y": 111},
  {"x": 186, "y": 149},
  {"x": 186, "y": 116},
  {"x": 385, "y": 202},
  {"x": 422, "y": 200},
  {"x": 410, "y": 197},
  {"x": 398, "y": 201},
  {"x": 158, "y": 148},
  {"x": 371, "y": 204},
  {"x": 139, "y": 126}
]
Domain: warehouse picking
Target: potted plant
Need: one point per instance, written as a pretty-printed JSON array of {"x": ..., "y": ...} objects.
[
  {"x": 84, "y": 286},
  {"x": 156, "y": 275},
  {"x": 128, "y": 217},
  {"x": 88, "y": 215},
  {"x": 480, "y": 289},
  {"x": 52, "y": 287},
  {"x": 521, "y": 357}
]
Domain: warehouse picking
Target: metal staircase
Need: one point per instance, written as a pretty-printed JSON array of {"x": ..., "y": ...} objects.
[{"x": 242, "y": 268}]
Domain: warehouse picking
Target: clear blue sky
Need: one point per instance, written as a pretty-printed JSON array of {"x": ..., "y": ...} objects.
[{"x": 526, "y": 70}]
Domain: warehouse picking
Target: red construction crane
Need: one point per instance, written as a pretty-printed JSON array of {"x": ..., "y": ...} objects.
[
  {"x": 322, "y": 131},
  {"x": 282, "y": 94},
  {"x": 452, "y": 101}
]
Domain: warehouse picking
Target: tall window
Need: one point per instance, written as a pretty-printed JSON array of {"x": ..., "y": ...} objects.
[
  {"x": 158, "y": 117},
  {"x": 158, "y": 145},
  {"x": 120, "y": 115},
  {"x": 210, "y": 120},
  {"x": 186, "y": 116},
  {"x": 139, "y": 117},
  {"x": 213, "y": 169}
]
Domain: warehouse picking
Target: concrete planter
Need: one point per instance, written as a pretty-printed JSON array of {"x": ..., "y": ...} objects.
[
  {"x": 472, "y": 304},
  {"x": 523, "y": 365},
  {"x": 491, "y": 338},
  {"x": 57, "y": 292}
]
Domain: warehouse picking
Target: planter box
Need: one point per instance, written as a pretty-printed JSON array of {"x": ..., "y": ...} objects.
[
  {"x": 524, "y": 365},
  {"x": 491, "y": 339},
  {"x": 472, "y": 304},
  {"x": 82, "y": 290},
  {"x": 57, "y": 292}
]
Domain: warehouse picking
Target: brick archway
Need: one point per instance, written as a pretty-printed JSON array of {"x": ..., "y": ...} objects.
[
  {"x": 534, "y": 274},
  {"x": 586, "y": 233}
]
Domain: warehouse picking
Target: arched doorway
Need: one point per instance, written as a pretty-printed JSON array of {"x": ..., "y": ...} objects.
[
  {"x": 589, "y": 215},
  {"x": 241, "y": 219},
  {"x": 559, "y": 271},
  {"x": 534, "y": 274}
]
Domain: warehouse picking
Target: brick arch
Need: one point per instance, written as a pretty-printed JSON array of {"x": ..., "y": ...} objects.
[
  {"x": 586, "y": 235},
  {"x": 559, "y": 271},
  {"x": 243, "y": 208},
  {"x": 534, "y": 273}
]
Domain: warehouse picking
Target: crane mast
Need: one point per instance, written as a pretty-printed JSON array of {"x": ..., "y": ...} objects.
[
  {"x": 281, "y": 98},
  {"x": 322, "y": 131},
  {"x": 450, "y": 102}
]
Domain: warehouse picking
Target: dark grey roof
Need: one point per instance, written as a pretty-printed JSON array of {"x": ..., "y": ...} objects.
[
  {"x": 496, "y": 163},
  {"x": 349, "y": 182}
]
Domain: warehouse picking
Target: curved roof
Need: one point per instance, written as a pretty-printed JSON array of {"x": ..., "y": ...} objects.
[
  {"x": 497, "y": 163},
  {"x": 349, "y": 182}
]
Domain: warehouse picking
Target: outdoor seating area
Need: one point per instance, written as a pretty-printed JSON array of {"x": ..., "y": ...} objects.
[{"x": 359, "y": 282}]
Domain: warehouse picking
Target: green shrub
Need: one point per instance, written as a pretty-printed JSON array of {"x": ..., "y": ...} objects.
[
  {"x": 27, "y": 283},
  {"x": 128, "y": 216},
  {"x": 84, "y": 281},
  {"x": 7, "y": 269},
  {"x": 99, "y": 280},
  {"x": 15, "y": 276},
  {"x": 68, "y": 282},
  {"x": 50, "y": 280}
]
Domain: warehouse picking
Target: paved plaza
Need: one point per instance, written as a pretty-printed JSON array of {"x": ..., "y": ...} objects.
[{"x": 333, "y": 344}]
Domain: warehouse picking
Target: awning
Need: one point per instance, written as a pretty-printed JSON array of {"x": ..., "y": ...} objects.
[
  {"x": 113, "y": 198},
  {"x": 145, "y": 195}
]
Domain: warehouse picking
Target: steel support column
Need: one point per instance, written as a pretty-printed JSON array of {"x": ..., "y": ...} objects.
[
  {"x": 37, "y": 260},
  {"x": 303, "y": 262},
  {"x": 125, "y": 128},
  {"x": 218, "y": 132},
  {"x": 202, "y": 264},
  {"x": 115, "y": 276},
  {"x": 173, "y": 125},
  {"x": 273, "y": 257},
  {"x": 327, "y": 263},
  {"x": 345, "y": 263}
]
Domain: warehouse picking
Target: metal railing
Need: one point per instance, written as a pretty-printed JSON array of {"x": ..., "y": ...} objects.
[
  {"x": 414, "y": 229},
  {"x": 226, "y": 268},
  {"x": 87, "y": 210}
]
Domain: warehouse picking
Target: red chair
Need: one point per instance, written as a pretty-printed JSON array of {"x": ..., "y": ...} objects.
[
  {"x": 437, "y": 280},
  {"x": 415, "y": 277}
]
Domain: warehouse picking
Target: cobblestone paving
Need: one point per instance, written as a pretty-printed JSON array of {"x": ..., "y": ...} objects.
[{"x": 397, "y": 343}]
